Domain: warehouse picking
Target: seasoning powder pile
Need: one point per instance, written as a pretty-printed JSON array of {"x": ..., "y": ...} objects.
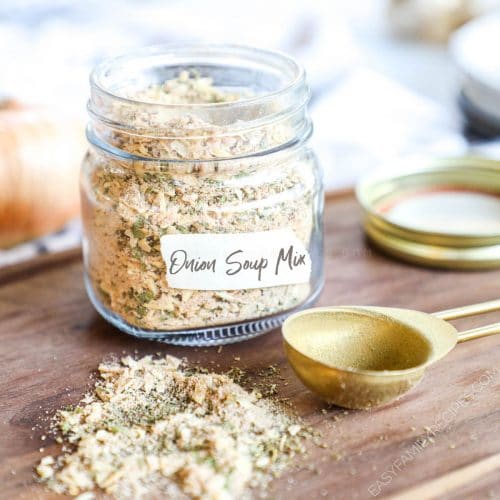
[{"x": 153, "y": 429}]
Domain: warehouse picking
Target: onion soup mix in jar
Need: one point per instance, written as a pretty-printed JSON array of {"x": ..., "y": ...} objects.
[{"x": 202, "y": 203}]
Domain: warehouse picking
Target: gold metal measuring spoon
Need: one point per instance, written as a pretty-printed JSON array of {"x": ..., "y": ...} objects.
[{"x": 363, "y": 357}]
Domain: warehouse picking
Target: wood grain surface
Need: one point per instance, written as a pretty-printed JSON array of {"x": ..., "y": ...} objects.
[{"x": 51, "y": 341}]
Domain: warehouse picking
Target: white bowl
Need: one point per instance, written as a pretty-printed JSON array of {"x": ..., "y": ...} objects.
[{"x": 475, "y": 49}]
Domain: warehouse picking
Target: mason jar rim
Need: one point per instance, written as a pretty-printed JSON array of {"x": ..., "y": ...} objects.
[{"x": 173, "y": 50}]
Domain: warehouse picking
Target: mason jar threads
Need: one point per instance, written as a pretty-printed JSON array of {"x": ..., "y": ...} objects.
[{"x": 202, "y": 204}]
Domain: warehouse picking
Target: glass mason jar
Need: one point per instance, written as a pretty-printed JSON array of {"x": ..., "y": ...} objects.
[{"x": 202, "y": 204}]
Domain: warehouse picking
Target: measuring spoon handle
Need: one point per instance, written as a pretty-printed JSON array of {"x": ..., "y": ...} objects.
[
  {"x": 476, "y": 333},
  {"x": 471, "y": 310}
]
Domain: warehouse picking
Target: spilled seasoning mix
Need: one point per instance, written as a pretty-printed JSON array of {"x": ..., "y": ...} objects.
[{"x": 153, "y": 429}]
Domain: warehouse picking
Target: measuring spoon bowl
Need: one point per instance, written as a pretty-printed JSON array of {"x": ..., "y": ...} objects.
[{"x": 363, "y": 357}]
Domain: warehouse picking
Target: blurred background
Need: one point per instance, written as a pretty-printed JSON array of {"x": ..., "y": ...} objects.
[{"x": 389, "y": 78}]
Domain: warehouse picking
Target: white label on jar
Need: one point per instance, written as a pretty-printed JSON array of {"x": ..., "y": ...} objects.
[{"x": 235, "y": 261}]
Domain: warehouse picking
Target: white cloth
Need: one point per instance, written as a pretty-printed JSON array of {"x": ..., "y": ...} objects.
[{"x": 369, "y": 121}]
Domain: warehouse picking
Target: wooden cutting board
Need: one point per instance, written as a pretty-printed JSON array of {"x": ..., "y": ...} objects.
[{"x": 442, "y": 438}]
